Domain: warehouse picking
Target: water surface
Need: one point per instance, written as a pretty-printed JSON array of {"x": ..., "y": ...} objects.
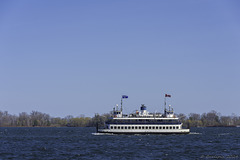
[{"x": 80, "y": 143}]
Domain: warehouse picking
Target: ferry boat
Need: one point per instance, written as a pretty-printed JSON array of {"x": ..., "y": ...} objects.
[{"x": 143, "y": 122}]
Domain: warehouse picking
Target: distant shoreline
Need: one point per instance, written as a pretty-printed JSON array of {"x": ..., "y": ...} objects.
[
  {"x": 223, "y": 126},
  {"x": 39, "y": 119}
]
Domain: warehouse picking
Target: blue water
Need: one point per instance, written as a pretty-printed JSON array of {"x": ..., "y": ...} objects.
[{"x": 80, "y": 143}]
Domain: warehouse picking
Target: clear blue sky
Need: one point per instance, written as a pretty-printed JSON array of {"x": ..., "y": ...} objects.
[{"x": 78, "y": 57}]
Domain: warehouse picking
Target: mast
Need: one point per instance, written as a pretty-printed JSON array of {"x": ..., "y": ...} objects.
[{"x": 165, "y": 103}]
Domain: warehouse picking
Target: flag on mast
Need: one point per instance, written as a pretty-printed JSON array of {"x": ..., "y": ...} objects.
[
  {"x": 167, "y": 95},
  {"x": 124, "y": 96}
]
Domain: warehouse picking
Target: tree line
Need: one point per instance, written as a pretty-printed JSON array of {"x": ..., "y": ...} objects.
[
  {"x": 210, "y": 119},
  {"x": 39, "y": 119}
]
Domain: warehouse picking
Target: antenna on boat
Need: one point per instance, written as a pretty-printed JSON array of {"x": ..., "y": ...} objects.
[{"x": 121, "y": 104}]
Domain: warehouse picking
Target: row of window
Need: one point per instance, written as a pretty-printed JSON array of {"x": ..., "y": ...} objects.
[
  {"x": 144, "y": 127},
  {"x": 142, "y": 121}
]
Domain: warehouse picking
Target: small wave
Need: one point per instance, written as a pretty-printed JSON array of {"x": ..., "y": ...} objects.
[
  {"x": 101, "y": 134},
  {"x": 223, "y": 134},
  {"x": 194, "y": 133},
  {"x": 112, "y": 134}
]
